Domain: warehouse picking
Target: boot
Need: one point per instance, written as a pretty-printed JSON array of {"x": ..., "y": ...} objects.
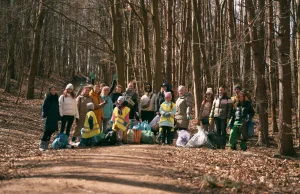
[
  {"x": 42, "y": 146},
  {"x": 46, "y": 145}
]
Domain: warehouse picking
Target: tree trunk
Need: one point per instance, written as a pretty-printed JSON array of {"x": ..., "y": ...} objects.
[
  {"x": 169, "y": 42},
  {"x": 259, "y": 64},
  {"x": 196, "y": 64},
  {"x": 285, "y": 144},
  {"x": 272, "y": 74},
  {"x": 35, "y": 52},
  {"x": 232, "y": 40},
  {"x": 146, "y": 41},
  {"x": 158, "y": 66}
]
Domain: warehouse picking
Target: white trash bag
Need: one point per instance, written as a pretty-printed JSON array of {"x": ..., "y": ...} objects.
[
  {"x": 154, "y": 121},
  {"x": 200, "y": 139},
  {"x": 183, "y": 138}
]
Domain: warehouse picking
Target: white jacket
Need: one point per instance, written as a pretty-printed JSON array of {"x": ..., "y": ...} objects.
[{"x": 68, "y": 106}]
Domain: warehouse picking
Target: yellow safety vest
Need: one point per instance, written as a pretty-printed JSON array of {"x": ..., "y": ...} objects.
[
  {"x": 167, "y": 109},
  {"x": 87, "y": 132},
  {"x": 120, "y": 119}
]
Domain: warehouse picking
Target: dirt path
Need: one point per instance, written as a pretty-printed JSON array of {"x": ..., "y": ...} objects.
[
  {"x": 125, "y": 169},
  {"x": 131, "y": 168}
]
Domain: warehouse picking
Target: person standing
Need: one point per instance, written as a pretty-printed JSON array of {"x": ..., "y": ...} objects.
[
  {"x": 221, "y": 113},
  {"x": 183, "y": 109},
  {"x": 108, "y": 107},
  {"x": 166, "y": 123},
  {"x": 51, "y": 116},
  {"x": 116, "y": 94},
  {"x": 205, "y": 110},
  {"x": 242, "y": 111},
  {"x": 148, "y": 104},
  {"x": 161, "y": 96},
  {"x": 131, "y": 98},
  {"x": 93, "y": 77},
  {"x": 95, "y": 95},
  {"x": 68, "y": 109}
]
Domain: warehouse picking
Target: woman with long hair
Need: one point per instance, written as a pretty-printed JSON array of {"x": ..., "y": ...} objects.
[
  {"x": 50, "y": 114},
  {"x": 205, "y": 109},
  {"x": 242, "y": 111},
  {"x": 68, "y": 109}
]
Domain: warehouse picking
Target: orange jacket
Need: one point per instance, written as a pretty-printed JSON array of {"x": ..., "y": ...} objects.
[{"x": 99, "y": 112}]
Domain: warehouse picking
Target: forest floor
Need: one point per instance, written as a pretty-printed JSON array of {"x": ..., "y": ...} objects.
[{"x": 131, "y": 168}]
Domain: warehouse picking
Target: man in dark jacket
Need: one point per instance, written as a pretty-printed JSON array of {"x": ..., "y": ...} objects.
[
  {"x": 161, "y": 96},
  {"x": 131, "y": 98}
]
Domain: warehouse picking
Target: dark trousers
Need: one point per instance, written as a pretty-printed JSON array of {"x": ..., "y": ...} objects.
[
  {"x": 93, "y": 81},
  {"x": 166, "y": 132},
  {"x": 221, "y": 129},
  {"x": 47, "y": 134},
  {"x": 147, "y": 115},
  {"x": 64, "y": 120}
]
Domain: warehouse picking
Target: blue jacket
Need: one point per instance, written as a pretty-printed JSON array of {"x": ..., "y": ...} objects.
[{"x": 108, "y": 107}]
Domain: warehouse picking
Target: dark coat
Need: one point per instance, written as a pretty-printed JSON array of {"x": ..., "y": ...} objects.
[
  {"x": 242, "y": 112},
  {"x": 50, "y": 111},
  {"x": 131, "y": 98},
  {"x": 160, "y": 98}
]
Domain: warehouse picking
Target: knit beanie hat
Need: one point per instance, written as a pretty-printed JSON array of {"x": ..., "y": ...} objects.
[
  {"x": 70, "y": 86},
  {"x": 168, "y": 95},
  {"x": 209, "y": 91},
  {"x": 90, "y": 106},
  {"x": 121, "y": 98}
]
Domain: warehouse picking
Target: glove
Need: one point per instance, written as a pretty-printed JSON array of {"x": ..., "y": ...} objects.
[
  {"x": 166, "y": 114},
  {"x": 188, "y": 117},
  {"x": 125, "y": 123},
  {"x": 59, "y": 122},
  {"x": 81, "y": 85},
  {"x": 115, "y": 77},
  {"x": 228, "y": 123},
  {"x": 211, "y": 120},
  {"x": 44, "y": 120},
  {"x": 228, "y": 120},
  {"x": 198, "y": 122}
]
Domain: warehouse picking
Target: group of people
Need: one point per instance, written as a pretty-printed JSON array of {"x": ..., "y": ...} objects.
[
  {"x": 97, "y": 106},
  {"x": 222, "y": 112}
]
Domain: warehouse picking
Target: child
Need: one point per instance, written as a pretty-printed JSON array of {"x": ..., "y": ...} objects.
[
  {"x": 50, "y": 114},
  {"x": 167, "y": 111},
  {"x": 120, "y": 119},
  {"x": 91, "y": 127}
]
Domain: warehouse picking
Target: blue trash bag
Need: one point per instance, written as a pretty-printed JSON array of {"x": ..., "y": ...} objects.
[
  {"x": 137, "y": 127},
  {"x": 145, "y": 126},
  {"x": 60, "y": 142}
]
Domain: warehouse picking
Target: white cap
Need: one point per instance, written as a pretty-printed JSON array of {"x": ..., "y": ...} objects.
[
  {"x": 209, "y": 91},
  {"x": 70, "y": 86}
]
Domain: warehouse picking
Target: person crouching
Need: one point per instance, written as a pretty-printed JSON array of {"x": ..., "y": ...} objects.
[
  {"x": 120, "y": 119},
  {"x": 167, "y": 111},
  {"x": 91, "y": 127}
]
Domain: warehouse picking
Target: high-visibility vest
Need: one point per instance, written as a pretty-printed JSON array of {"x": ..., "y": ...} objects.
[
  {"x": 120, "y": 119},
  {"x": 87, "y": 132},
  {"x": 167, "y": 109}
]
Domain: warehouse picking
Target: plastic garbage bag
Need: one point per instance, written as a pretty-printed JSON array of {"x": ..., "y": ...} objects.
[
  {"x": 200, "y": 139},
  {"x": 60, "y": 142},
  {"x": 154, "y": 121},
  {"x": 147, "y": 137},
  {"x": 130, "y": 136},
  {"x": 183, "y": 137}
]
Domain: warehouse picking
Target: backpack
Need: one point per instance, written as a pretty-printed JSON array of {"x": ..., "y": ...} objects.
[{"x": 60, "y": 142}]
